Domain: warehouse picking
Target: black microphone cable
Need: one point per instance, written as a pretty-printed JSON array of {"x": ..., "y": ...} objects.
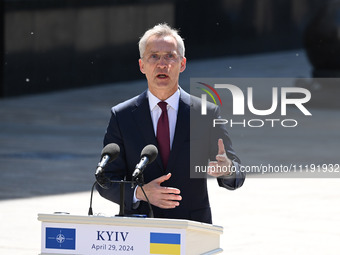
[
  {"x": 147, "y": 199},
  {"x": 90, "y": 208}
]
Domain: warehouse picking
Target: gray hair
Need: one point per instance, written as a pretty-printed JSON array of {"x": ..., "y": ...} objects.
[{"x": 161, "y": 30}]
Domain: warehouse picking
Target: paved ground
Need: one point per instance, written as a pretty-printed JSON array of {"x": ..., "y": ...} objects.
[{"x": 50, "y": 145}]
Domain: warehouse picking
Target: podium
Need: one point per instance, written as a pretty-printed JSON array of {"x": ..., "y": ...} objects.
[{"x": 101, "y": 235}]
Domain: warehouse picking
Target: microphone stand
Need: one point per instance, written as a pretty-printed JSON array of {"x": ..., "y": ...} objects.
[
  {"x": 121, "y": 195},
  {"x": 139, "y": 180},
  {"x": 121, "y": 199}
]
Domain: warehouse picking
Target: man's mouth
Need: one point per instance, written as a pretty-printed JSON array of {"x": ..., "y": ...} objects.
[{"x": 162, "y": 76}]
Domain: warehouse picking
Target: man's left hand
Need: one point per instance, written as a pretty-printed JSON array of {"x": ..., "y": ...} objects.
[{"x": 223, "y": 165}]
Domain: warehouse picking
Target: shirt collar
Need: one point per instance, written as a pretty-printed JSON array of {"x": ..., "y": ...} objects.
[{"x": 172, "y": 101}]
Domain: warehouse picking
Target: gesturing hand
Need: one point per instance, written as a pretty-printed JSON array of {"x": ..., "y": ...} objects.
[
  {"x": 221, "y": 167},
  {"x": 163, "y": 197}
]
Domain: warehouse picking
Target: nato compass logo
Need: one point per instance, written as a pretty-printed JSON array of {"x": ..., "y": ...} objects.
[{"x": 61, "y": 238}]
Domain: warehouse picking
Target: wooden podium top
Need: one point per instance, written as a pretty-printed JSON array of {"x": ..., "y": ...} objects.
[{"x": 131, "y": 221}]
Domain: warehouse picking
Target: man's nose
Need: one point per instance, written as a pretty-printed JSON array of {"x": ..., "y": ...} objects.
[{"x": 162, "y": 62}]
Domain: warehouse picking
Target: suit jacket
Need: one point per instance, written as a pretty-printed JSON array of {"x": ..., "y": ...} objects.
[{"x": 131, "y": 128}]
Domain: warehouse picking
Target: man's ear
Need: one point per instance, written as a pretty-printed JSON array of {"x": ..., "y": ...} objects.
[
  {"x": 141, "y": 66},
  {"x": 183, "y": 64}
]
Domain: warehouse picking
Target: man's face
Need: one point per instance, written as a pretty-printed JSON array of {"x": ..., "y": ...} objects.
[{"x": 162, "y": 65}]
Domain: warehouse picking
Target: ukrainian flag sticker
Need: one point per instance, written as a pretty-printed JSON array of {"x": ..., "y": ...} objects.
[{"x": 165, "y": 243}]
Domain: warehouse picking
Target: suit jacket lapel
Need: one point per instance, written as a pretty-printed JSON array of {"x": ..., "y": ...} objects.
[{"x": 182, "y": 131}]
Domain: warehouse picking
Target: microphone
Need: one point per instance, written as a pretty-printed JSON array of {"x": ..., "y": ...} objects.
[
  {"x": 148, "y": 155},
  {"x": 109, "y": 153}
]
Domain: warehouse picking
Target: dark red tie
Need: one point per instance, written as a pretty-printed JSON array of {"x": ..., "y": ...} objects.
[{"x": 163, "y": 134}]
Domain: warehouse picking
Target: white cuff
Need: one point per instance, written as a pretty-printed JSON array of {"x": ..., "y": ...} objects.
[{"x": 135, "y": 200}]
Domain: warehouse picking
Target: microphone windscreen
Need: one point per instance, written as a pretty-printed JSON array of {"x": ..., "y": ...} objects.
[
  {"x": 112, "y": 150},
  {"x": 150, "y": 151}
]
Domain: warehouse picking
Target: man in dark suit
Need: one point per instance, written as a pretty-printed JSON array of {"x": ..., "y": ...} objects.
[{"x": 162, "y": 116}]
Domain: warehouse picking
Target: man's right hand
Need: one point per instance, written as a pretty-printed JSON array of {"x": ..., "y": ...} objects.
[{"x": 162, "y": 197}]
